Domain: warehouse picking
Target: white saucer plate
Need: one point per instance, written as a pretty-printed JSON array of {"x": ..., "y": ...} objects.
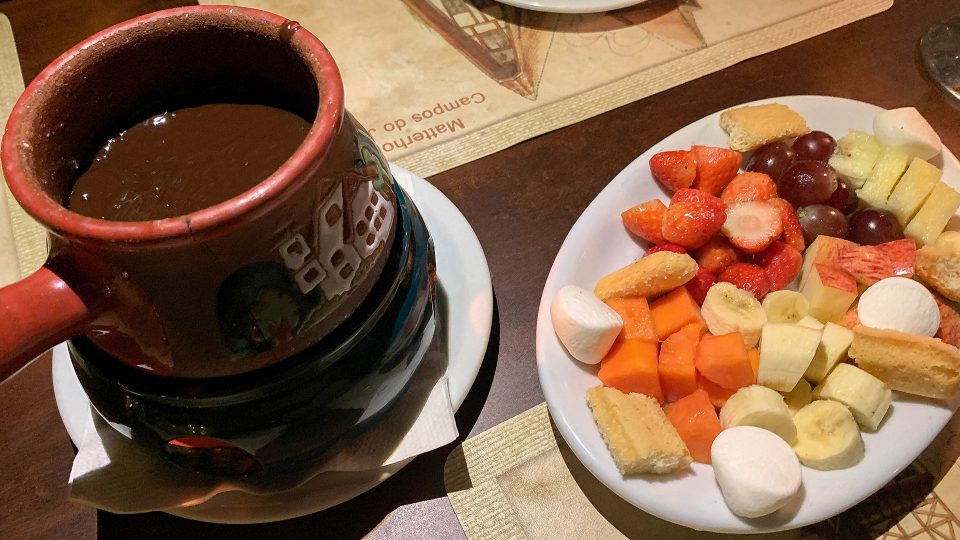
[
  {"x": 598, "y": 244},
  {"x": 572, "y": 6},
  {"x": 462, "y": 273}
]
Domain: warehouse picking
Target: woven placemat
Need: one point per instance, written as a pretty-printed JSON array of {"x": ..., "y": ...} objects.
[
  {"x": 23, "y": 245},
  {"x": 520, "y": 480},
  {"x": 440, "y": 83}
]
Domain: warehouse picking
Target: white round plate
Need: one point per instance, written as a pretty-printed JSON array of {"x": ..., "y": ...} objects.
[
  {"x": 572, "y": 6},
  {"x": 461, "y": 271},
  {"x": 598, "y": 244}
]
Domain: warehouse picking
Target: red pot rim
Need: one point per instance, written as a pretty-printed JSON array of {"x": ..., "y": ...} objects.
[{"x": 309, "y": 154}]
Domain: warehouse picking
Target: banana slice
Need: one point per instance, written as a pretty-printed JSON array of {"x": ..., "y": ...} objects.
[
  {"x": 867, "y": 397},
  {"x": 785, "y": 306},
  {"x": 827, "y": 436},
  {"x": 728, "y": 309},
  {"x": 760, "y": 407},
  {"x": 799, "y": 397},
  {"x": 786, "y": 351},
  {"x": 810, "y": 322}
]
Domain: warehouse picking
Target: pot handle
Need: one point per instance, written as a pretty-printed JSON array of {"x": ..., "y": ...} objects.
[{"x": 36, "y": 313}]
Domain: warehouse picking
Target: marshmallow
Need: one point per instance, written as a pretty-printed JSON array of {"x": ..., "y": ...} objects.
[
  {"x": 907, "y": 129},
  {"x": 757, "y": 471},
  {"x": 901, "y": 304},
  {"x": 585, "y": 325}
]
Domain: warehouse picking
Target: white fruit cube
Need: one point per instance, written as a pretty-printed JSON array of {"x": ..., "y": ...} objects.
[
  {"x": 786, "y": 351},
  {"x": 830, "y": 290},
  {"x": 883, "y": 177},
  {"x": 913, "y": 188},
  {"x": 867, "y": 397},
  {"x": 834, "y": 344},
  {"x": 933, "y": 216}
]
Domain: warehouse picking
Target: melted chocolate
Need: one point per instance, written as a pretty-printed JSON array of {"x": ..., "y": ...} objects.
[{"x": 181, "y": 161}]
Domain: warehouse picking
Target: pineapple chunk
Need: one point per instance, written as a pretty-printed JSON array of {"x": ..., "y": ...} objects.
[
  {"x": 933, "y": 216},
  {"x": 914, "y": 186},
  {"x": 834, "y": 344},
  {"x": 858, "y": 153},
  {"x": 883, "y": 177}
]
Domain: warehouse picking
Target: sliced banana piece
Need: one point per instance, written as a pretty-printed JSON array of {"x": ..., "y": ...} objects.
[
  {"x": 799, "y": 397},
  {"x": 867, "y": 397},
  {"x": 728, "y": 309},
  {"x": 760, "y": 407},
  {"x": 834, "y": 344},
  {"x": 785, "y": 306},
  {"x": 811, "y": 322},
  {"x": 827, "y": 436},
  {"x": 786, "y": 351}
]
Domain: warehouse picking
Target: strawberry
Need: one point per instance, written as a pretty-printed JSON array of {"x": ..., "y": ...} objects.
[
  {"x": 748, "y": 277},
  {"x": 749, "y": 186},
  {"x": 792, "y": 232},
  {"x": 782, "y": 264},
  {"x": 675, "y": 169},
  {"x": 700, "y": 284},
  {"x": 752, "y": 226},
  {"x": 690, "y": 194},
  {"x": 666, "y": 247},
  {"x": 691, "y": 222},
  {"x": 716, "y": 167},
  {"x": 716, "y": 255},
  {"x": 645, "y": 220}
]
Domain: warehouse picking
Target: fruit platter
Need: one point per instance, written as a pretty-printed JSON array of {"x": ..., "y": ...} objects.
[{"x": 753, "y": 326}]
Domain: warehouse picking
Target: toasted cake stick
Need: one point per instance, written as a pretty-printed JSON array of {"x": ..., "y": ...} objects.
[
  {"x": 753, "y": 126},
  {"x": 908, "y": 363}
]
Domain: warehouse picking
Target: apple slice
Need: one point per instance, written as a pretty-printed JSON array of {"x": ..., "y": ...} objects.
[
  {"x": 913, "y": 188},
  {"x": 830, "y": 292},
  {"x": 883, "y": 177},
  {"x": 870, "y": 264},
  {"x": 823, "y": 250},
  {"x": 933, "y": 216}
]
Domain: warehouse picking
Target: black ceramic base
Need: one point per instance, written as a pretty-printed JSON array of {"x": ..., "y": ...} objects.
[{"x": 292, "y": 413}]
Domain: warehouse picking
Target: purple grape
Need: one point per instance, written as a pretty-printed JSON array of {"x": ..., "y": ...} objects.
[
  {"x": 816, "y": 146},
  {"x": 818, "y": 219},
  {"x": 872, "y": 226},
  {"x": 772, "y": 160},
  {"x": 844, "y": 198},
  {"x": 807, "y": 182}
]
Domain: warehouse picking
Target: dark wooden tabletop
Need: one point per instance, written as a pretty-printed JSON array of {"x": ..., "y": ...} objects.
[{"x": 521, "y": 202}]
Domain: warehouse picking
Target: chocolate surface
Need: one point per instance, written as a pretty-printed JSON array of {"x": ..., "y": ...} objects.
[{"x": 184, "y": 160}]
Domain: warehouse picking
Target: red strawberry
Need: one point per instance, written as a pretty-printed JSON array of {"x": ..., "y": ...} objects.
[
  {"x": 716, "y": 167},
  {"x": 749, "y": 186},
  {"x": 792, "y": 232},
  {"x": 716, "y": 255},
  {"x": 675, "y": 169},
  {"x": 666, "y": 247},
  {"x": 748, "y": 277},
  {"x": 782, "y": 264},
  {"x": 692, "y": 222},
  {"x": 752, "y": 226},
  {"x": 690, "y": 194},
  {"x": 700, "y": 284},
  {"x": 645, "y": 220}
]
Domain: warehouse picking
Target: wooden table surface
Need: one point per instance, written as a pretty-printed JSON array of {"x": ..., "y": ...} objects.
[{"x": 521, "y": 202}]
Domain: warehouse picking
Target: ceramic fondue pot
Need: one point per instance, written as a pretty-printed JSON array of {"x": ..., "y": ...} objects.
[{"x": 230, "y": 288}]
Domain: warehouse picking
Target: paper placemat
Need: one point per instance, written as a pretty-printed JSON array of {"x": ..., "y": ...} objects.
[
  {"x": 23, "y": 246},
  {"x": 520, "y": 480},
  {"x": 440, "y": 83}
]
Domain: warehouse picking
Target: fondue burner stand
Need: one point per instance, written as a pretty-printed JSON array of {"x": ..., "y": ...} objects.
[{"x": 287, "y": 416}]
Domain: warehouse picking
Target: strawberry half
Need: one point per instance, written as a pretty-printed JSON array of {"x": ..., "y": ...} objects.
[
  {"x": 716, "y": 167},
  {"x": 752, "y": 226},
  {"x": 666, "y": 247},
  {"x": 699, "y": 284},
  {"x": 692, "y": 221},
  {"x": 749, "y": 186},
  {"x": 748, "y": 277},
  {"x": 645, "y": 220},
  {"x": 675, "y": 169},
  {"x": 716, "y": 255},
  {"x": 781, "y": 263},
  {"x": 792, "y": 232}
]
